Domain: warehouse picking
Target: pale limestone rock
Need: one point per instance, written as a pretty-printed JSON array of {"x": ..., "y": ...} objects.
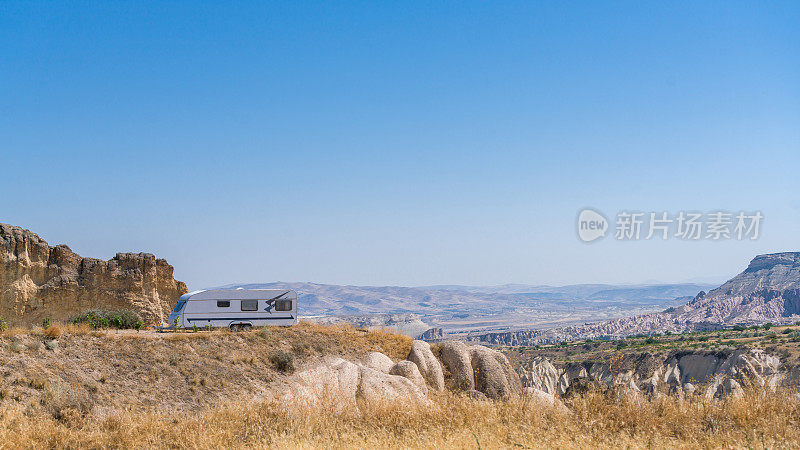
[
  {"x": 378, "y": 361},
  {"x": 541, "y": 399},
  {"x": 493, "y": 373},
  {"x": 345, "y": 387},
  {"x": 541, "y": 375},
  {"x": 455, "y": 356},
  {"x": 411, "y": 371},
  {"x": 429, "y": 366}
]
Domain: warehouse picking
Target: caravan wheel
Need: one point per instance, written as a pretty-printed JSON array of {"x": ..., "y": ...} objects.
[
  {"x": 235, "y": 327},
  {"x": 246, "y": 327}
]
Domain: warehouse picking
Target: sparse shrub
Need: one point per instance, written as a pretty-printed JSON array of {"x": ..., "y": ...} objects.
[
  {"x": 650, "y": 340},
  {"x": 283, "y": 361},
  {"x": 703, "y": 339},
  {"x": 194, "y": 328},
  {"x": 46, "y": 323},
  {"x": 52, "y": 331},
  {"x": 768, "y": 325},
  {"x": 738, "y": 328},
  {"x": 98, "y": 318},
  {"x": 621, "y": 345},
  {"x": 3, "y": 325},
  {"x": 66, "y": 403},
  {"x": 787, "y": 331}
]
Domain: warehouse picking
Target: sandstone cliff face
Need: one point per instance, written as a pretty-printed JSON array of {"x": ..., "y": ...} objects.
[{"x": 38, "y": 281}]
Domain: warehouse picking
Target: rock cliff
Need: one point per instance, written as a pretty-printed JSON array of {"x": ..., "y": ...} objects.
[{"x": 38, "y": 281}]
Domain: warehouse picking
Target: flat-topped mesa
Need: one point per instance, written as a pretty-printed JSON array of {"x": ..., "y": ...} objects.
[
  {"x": 38, "y": 281},
  {"x": 771, "y": 260}
]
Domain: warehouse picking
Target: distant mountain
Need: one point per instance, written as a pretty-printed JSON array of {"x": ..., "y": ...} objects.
[
  {"x": 768, "y": 290},
  {"x": 472, "y": 308},
  {"x": 328, "y": 299}
]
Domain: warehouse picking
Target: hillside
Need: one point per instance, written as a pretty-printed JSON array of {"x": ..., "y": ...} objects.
[
  {"x": 768, "y": 290},
  {"x": 71, "y": 387},
  {"x": 38, "y": 280},
  {"x": 92, "y": 371}
]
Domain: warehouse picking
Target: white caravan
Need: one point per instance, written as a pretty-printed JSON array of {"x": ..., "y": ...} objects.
[{"x": 237, "y": 309}]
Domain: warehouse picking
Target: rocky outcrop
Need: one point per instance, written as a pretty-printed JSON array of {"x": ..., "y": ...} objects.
[
  {"x": 429, "y": 366},
  {"x": 493, "y": 373},
  {"x": 540, "y": 399},
  {"x": 378, "y": 361},
  {"x": 38, "y": 281},
  {"x": 345, "y": 387},
  {"x": 409, "y": 370},
  {"x": 455, "y": 356},
  {"x": 480, "y": 368},
  {"x": 432, "y": 334},
  {"x": 713, "y": 374},
  {"x": 540, "y": 374}
]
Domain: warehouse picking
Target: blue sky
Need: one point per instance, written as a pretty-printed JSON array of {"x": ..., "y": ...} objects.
[{"x": 410, "y": 143}]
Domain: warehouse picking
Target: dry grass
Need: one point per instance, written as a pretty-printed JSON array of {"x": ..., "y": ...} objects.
[
  {"x": 52, "y": 332},
  {"x": 179, "y": 371},
  {"x": 144, "y": 390},
  {"x": 595, "y": 421}
]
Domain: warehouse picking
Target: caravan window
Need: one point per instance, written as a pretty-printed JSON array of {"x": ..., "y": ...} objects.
[
  {"x": 179, "y": 306},
  {"x": 283, "y": 305},
  {"x": 223, "y": 303},
  {"x": 249, "y": 305}
]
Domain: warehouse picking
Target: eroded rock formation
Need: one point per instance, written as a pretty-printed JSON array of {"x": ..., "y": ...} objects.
[
  {"x": 713, "y": 374},
  {"x": 480, "y": 368},
  {"x": 38, "y": 281}
]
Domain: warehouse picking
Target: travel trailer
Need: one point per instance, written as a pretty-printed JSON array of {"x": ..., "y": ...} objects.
[{"x": 237, "y": 309}]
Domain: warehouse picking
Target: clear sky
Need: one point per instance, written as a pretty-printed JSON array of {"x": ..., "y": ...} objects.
[{"x": 402, "y": 143}]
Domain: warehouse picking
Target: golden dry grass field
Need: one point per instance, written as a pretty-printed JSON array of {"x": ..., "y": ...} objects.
[
  {"x": 204, "y": 390},
  {"x": 594, "y": 421}
]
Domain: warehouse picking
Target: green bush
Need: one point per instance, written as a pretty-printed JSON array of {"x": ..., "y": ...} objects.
[
  {"x": 121, "y": 319},
  {"x": 46, "y": 323},
  {"x": 768, "y": 325},
  {"x": 3, "y": 324},
  {"x": 283, "y": 361}
]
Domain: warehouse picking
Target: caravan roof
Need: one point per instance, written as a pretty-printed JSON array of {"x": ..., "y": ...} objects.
[{"x": 238, "y": 294}]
